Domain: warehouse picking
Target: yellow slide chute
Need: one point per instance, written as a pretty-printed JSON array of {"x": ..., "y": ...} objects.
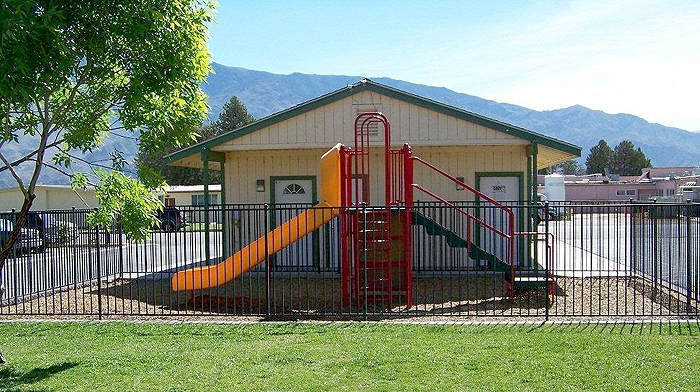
[{"x": 276, "y": 239}]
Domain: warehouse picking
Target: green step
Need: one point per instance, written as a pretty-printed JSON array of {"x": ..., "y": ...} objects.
[
  {"x": 433, "y": 228},
  {"x": 456, "y": 241}
]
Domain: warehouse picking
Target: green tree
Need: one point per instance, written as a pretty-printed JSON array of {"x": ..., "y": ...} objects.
[
  {"x": 627, "y": 160},
  {"x": 74, "y": 71},
  {"x": 570, "y": 167},
  {"x": 234, "y": 115},
  {"x": 599, "y": 158},
  {"x": 150, "y": 163}
]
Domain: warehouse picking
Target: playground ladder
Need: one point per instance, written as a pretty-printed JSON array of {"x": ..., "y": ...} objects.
[{"x": 380, "y": 271}]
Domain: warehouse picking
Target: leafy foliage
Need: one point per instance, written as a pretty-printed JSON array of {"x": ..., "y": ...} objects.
[
  {"x": 135, "y": 210},
  {"x": 627, "y": 161},
  {"x": 152, "y": 166},
  {"x": 569, "y": 167},
  {"x": 624, "y": 160},
  {"x": 599, "y": 158},
  {"x": 74, "y": 71}
]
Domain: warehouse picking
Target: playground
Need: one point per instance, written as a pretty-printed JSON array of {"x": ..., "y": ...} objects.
[
  {"x": 376, "y": 249},
  {"x": 347, "y": 257}
]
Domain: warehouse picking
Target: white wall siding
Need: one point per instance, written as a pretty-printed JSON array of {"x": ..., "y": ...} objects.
[
  {"x": 333, "y": 123},
  {"x": 243, "y": 168}
]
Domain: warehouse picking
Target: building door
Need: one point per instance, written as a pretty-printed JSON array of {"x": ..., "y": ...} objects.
[
  {"x": 291, "y": 197},
  {"x": 503, "y": 189}
]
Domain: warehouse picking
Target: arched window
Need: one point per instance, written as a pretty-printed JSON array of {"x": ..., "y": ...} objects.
[{"x": 294, "y": 189}]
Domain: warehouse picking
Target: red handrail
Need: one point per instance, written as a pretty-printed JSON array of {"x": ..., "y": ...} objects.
[
  {"x": 510, "y": 253},
  {"x": 364, "y": 120},
  {"x": 465, "y": 186},
  {"x": 461, "y": 211}
]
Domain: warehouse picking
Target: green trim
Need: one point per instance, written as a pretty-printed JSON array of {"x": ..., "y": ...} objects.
[
  {"x": 205, "y": 178},
  {"x": 315, "y": 236},
  {"x": 368, "y": 85},
  {"x": 217, "y": 156},
  {"x": 224, "y": 218},
  {"x": 531, "y": 189},
  {"x": 528, "y": 175},
  {"x": 535, "y": 151},
  {"x": 532, "y": 261}
]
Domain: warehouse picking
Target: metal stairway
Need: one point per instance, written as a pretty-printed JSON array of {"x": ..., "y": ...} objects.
[{"x": 523, "y": 279}]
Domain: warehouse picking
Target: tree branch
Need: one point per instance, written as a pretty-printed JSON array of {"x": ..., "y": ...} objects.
[
  {"x": 29, "y": 157},
  {"x": 14, "y": 174},
  {"x": 78, "y": 82},
  {"x": 91, "y": 164}
]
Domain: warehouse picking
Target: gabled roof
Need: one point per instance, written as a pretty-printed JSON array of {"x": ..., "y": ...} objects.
[{"x": 369, "y": 85}]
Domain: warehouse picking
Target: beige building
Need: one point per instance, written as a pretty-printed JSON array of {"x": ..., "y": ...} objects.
[
  {"x": 190, "y": 195},
  {"x": 63, "y": 197},
  {"x": 276, "y": 159},
  {"x": 49, "y": 197}
]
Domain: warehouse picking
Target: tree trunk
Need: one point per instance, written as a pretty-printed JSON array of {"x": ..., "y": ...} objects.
[{"x": 18, "y": 224}]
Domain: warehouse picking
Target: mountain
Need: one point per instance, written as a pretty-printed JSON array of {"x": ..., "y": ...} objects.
[{"x": 265, "y": 93}]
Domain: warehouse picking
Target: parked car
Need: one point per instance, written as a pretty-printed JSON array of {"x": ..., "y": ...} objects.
[
  {"x": 551, "y": 213},
  {"x": 29, "y": 239},
  {"x": 171, "y": 219},
  {"x": 51, "y": 230}
]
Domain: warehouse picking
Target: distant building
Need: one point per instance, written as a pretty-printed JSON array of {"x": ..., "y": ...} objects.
[
  {"x": 190, "y": 195},
  {"x": 662, "y": 183},
  {"x": 49, "y": 197},
  {"x": 63, "y": 197}
]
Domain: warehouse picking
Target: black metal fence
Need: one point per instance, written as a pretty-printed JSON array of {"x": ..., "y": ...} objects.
[{"x": 606, "y": 260}]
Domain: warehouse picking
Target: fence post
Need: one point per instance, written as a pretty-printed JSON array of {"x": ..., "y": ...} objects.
[
  {"x": 633, "y": 242},
  {"x": 654, "y": 249},
  {"x": 688, "y": 258},
  {"x": 546, "y": 259},
  {"x": 268, "y": 270},
  {"x": 99, "y": 273},
  {"x": 121, "y": 250},
  {"x": 364, "y": 259}
]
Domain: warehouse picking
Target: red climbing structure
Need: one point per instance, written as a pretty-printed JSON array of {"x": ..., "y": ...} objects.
[
  {"x": 376, "y": 241},
  {"x": 376, "y": 260}
]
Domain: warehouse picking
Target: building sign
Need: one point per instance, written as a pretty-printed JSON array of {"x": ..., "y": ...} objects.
[{"x": 498, "y": 188}]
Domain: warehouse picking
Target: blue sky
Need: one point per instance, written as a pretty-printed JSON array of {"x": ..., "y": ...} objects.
[{"x": 638, "y": 57}]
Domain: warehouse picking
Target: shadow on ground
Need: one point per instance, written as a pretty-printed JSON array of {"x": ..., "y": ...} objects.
[{"x": 13, "y": 379}]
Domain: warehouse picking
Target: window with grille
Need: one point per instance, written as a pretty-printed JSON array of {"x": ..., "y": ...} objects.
[{"x": 294, "y": 189}]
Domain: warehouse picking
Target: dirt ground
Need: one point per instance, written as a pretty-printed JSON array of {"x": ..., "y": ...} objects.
[{"x": 453, "y": 298}]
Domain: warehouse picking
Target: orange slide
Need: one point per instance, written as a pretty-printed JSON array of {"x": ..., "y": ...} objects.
[
  {"x": 275, "y": 240},
  {"x": 254, "y": 253}
]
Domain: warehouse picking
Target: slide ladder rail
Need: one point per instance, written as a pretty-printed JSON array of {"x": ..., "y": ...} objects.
[
  {"x": 508, "y": 235},
  {"x": 375, "y": 250}
]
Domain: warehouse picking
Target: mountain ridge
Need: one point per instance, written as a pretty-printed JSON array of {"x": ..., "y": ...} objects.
[
  {"x": 577, "y": 124},
  {"x": 266, "y": 93}
]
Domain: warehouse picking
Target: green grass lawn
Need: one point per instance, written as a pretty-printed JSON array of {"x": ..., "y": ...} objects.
[{"x": 122, "y": 356}]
